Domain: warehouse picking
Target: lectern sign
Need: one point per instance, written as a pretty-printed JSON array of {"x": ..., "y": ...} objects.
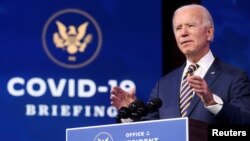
[{"x": 158, "y": 130}]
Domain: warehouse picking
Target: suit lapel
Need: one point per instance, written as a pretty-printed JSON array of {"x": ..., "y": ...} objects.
[
  {"x": 177, "y": 89},
  {"x": 213, "y": 73},
  {"x": 210, "y": 77}
]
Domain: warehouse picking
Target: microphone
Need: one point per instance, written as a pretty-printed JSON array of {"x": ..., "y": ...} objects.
[
  {"x": 152, "y": 106},
  {"x": 127, "y": 112},
  {"x": 138, "y": 109},
  {"x": 123, "y": 113},
  {"x": 141, "y": 110},
  {"x": 135, "y": 105}
]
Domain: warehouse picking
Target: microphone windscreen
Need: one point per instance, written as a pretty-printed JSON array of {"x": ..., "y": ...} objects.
[
  {"x": 124, "y": 112},
  {"x": 154, "y": 104},
  {"x": 135, "y": 105}
]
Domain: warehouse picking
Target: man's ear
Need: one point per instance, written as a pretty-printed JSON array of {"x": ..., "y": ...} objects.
[{"x": 210, "y": 34}]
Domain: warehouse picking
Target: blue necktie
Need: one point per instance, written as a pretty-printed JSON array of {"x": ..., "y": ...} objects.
[{"x": 186, "y": 91}]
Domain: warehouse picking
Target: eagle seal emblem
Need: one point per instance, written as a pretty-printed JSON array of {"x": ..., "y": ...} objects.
[
  {"x": 103, "y": 136},
  {"x": 72, "y": 38}
]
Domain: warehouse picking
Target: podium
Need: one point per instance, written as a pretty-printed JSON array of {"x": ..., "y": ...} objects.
[{"x": 176, "y": 129}]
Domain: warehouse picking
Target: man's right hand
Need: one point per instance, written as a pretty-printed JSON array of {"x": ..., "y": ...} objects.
[{"x": 120, "y": 98}]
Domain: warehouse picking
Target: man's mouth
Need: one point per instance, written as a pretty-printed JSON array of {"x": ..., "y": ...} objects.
[{"x": 187, "y": 41}]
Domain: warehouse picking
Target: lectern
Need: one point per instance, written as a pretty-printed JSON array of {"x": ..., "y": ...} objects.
[{"x": 176, "y": 129}]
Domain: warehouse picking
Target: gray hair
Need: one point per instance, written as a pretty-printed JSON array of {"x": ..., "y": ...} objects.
[{"x": 207, "y": 18}]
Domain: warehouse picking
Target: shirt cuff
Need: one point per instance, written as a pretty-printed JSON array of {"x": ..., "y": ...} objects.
[
  {"x": 126, "y": 120},
  {"x": 215, "y": 109}
]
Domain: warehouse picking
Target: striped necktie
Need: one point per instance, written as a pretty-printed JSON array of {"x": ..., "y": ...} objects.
[{"x": 186, "y": 91}]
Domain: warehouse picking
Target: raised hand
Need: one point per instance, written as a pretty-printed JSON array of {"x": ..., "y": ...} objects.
[
  {"x": 201, "y": 88},
  {"x": 120, "y": 98}
]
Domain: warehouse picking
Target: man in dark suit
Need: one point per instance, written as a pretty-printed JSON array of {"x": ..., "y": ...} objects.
[{"x": 209, "y": 90}]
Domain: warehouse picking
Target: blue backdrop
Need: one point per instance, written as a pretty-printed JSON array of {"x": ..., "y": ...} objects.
[
  {"x": 59, "y": 60},
  {"x": 232, "y": 26}
]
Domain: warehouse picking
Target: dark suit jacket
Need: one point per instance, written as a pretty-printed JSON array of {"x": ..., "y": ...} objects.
[{"x": 230, "y": 84}]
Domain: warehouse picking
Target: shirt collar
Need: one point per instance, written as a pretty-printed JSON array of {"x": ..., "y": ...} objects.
[{"x": 204, "y": 63}]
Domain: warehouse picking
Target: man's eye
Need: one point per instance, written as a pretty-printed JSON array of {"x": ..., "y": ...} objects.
[{"x": 178, "y": 28}]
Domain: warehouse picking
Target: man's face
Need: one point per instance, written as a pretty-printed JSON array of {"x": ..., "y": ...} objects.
[{"x": 191, "y": 33}]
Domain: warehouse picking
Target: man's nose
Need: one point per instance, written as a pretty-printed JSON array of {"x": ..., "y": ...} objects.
[{"x": 184, "y": 32}]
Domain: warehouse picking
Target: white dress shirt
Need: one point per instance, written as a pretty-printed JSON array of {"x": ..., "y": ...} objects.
[{"x": 204, "y": 64}]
